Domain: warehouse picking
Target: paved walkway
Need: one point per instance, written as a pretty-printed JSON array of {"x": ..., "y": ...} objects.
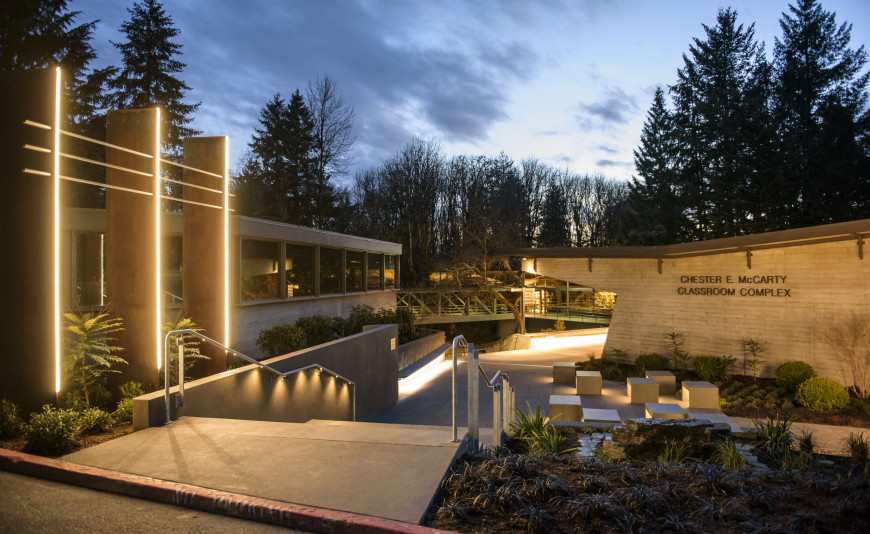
[{"x": 828, "y": 437}]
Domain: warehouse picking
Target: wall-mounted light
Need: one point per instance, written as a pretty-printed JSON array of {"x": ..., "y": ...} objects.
[
  {"x": 57, "y": 312},
  {"x": 158, "y": 309}
]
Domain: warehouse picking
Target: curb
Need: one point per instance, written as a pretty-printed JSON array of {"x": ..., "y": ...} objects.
[{"x": 296, "y": 516}]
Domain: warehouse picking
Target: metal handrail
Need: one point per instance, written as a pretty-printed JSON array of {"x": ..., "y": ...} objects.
[
  {"x": 457, "y": 342},
  {"x": 179, "y": 400}
]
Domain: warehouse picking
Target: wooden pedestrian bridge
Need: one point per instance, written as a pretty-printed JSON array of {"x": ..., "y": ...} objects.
[{"x": 437, "y": 306}]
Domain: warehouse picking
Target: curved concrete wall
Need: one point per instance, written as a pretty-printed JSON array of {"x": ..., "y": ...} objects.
[{"x": 787, "y": 297}]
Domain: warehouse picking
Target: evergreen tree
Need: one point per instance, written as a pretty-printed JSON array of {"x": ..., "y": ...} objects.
[
  {"x": 147, "y": 77},
  {"x": 281, "y": 163},
  {"x": 655, "y": 213},
  {"x": 721, "y": 114},
  {"x": 820, "y": 107}
]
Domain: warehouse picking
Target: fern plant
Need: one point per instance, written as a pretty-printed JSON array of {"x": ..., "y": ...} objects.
[
  {"x": 191, "y": 345},
  {"x": 92, "y": 354}
]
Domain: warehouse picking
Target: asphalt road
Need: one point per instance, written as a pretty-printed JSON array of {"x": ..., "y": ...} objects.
[{"x": 31, "y": 505}]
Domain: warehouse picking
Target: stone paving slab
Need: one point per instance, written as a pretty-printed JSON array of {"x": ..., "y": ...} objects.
[{"x": 382, "y": 472}]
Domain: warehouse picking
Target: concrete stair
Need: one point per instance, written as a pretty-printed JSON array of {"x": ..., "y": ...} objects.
[{"x": 383, "y": 470}]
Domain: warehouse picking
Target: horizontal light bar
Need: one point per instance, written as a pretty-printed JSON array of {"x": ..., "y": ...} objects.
[
  {"x": 192, "y": 185},
  {"x": 38, "y": 125},
  {"x": 107, "y": 186},
  {"x": 38, "y": 173},
  {"x": 37, "y": 149},
  {"x": 103, "y": 143},
  {"x": 109, "y": 165},
  {"x": 183, "y": 201},
  {"x": 194, "y": 169}
]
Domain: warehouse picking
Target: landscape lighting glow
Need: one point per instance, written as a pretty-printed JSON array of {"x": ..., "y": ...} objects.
[
  {"x": 57, "y": 89},
  {"x": 416, "y": 381},
  {"x": 159, "y": 307},
  {"x": 553, "y": 342}
]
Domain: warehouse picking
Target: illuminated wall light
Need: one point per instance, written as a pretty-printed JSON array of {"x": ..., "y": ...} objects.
[
  {"x": 423, "y": 376},
  {"x": 227, "y": 241},
  {"x": 57, "y": 91},
  {"x": 561, "y": 342},
  {"x": 159, "y": 297}
]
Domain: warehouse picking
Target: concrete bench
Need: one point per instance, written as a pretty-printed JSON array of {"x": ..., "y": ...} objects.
[
  {"x": 565, "y": 408},
  {"x": 601, "y": 415},
  {"x": 666, "y": 380},
  {"x": 701, "y": 394},
  {"x": 563, "y": 372},
  {"x": 588, "y": 382},
  {"x": 642, "y": 390},
  {"x": 664, "y": 410}
]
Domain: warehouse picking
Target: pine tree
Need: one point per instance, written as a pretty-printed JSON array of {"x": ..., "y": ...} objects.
[
  {"x": 555, "y": 230},
  {"x": 147, "y": 77},
  {"x": 655, "y": 213},
  {"x": 301, "y": 164},
  {"x": 721, "y": 112},
  {"x": 820, "y": 107}
]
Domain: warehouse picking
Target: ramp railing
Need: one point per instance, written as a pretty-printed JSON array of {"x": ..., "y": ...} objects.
[
  {"x": 179, "y": 341},
  {"x": 503, "y": 398}
]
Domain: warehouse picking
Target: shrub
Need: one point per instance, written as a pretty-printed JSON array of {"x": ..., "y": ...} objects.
[
  {"x": 10, "y": 422},
  {"x": 131, "y": 390},
  {"x": 859, "y": 449},
  {"x": 648, "y": 362},
  {"x": 792, "y": 374},
  {"x": 124, "y": 411},
  {"x": 91, "y": 354},
  {"x": 821, "y": 394},
  {"x": 281, "y": 339},
  {"x": 712, "y": 368},
  {"x": 94, "y": 420},
  {"x": 775, "y": 437},
  {"x": 318, "y": 329},
  {"x": 50, "y": 431},
  {"x": 679, "y": 357}
]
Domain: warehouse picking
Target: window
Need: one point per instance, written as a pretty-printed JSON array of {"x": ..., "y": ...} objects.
[
  {"x": 90, "y": 272},
  {"x": 170, "y": 255},
  {"x": 331, "y": 271},
  {"x": 389, "y": 272},
  {"x": 259, "y": 270},
  {"x": 373, "y": 278},
  {"x": 299, "y": 263},
  {"x": 354, "y": 271}
]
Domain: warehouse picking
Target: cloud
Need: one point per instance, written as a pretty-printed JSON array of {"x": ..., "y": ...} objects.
[
  {"x": 608, "y": 149},
  {"x": 617, "y": 107},
  {"x": 612, "y": 163}
]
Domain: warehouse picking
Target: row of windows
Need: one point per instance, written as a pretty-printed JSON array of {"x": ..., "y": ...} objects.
[
  {"x": 273, "y": 270},
  {"x": 266, "y": 268}
]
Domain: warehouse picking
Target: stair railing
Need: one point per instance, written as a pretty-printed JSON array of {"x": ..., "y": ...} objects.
[{"x": 179, "y": 341}]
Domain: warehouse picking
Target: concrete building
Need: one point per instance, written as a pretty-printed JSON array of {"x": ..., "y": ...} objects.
[{"x": 784, "y": 287}]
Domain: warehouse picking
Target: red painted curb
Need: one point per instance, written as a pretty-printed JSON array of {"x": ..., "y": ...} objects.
[{"x": 297, "y": 516}]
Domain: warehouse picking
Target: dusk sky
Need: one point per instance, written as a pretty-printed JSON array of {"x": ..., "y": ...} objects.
[{"x": 568, "y": 82}]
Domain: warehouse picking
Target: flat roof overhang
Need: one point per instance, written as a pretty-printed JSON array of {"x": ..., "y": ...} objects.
[{"x": 844, "y": 231}]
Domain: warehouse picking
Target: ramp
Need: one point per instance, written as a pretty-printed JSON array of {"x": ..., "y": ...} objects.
[{"x": 382, "y": 470}]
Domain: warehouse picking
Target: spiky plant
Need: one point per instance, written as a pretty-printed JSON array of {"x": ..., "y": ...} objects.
[{"x": 91, "y": 353}]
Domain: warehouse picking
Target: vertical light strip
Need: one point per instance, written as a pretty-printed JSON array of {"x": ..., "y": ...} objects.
[
  {"x": 227, "y": 241},
  {"x": 57, "y": 90},
  {"x": 159, "y": 309}
]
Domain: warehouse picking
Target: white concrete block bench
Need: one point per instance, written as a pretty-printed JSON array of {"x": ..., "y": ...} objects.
[
  {"x": 642, "y": 390},
  {"x": 701, "y": 394},
  {"x": 565, "y": 408},
  {"x": 664, "y": 410},
  {"x": 666, "y": 380},
  {"x": 601, "y": 415},
  {"x": 563, "y": 372},
  {"x": 588, "y": 382}
]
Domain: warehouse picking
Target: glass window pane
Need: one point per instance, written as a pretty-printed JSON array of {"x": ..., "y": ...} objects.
[
  {"x": 389, "y": 271},
  {"x": 259, "y": 270},
  {"x": 170, "y": 255},
  {"x": 354, "y": 271},
  {"x": 331, "y": 271},
  {"x": 90, "y": 272},
  {"x": 373, "y": 279},
  {"x": 300, "y": 270}
]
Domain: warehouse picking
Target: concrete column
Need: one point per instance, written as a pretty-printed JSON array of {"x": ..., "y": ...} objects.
[
  {"x": 203, "y": 247},
  {"x": 26, "y": 237},
  {"x": 130, "y": 242}
]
